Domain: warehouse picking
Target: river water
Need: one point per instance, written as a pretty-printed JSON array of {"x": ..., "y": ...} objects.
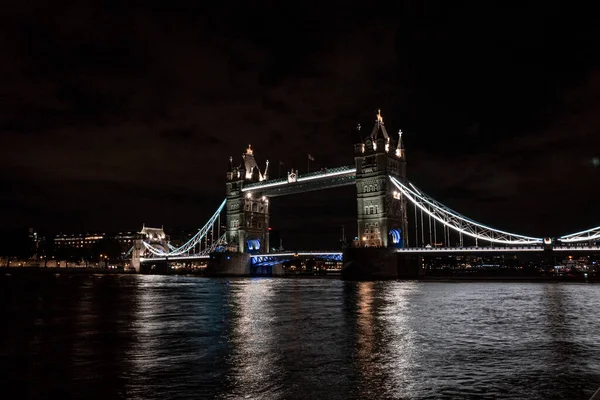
[{"x": 168, "y": 337}]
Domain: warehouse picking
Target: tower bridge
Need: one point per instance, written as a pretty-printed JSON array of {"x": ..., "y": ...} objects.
[{"x": 397, "y": 222}]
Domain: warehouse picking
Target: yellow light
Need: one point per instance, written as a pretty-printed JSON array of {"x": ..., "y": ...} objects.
[
  {"x": 364, "y": 238},
  {"x": 249, "y": 195}
]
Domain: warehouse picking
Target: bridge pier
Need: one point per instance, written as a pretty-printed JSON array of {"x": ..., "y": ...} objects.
[
  {"x": 228, "y": 264},
  {"x": 379, "y": 263}
]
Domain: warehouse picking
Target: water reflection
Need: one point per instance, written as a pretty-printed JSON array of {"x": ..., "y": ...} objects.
[
  {"x": 156, "y": 337},
  {"x": 65, "y": 337},
  {"x": 566, "y": 350},
  {"x": 384, "y": 339},
  {"x": 254, "y": 357},
  {"x": 368, "y": 335},
  {"x": 399, "y": 340},
  {"x": 181, "y": 346}
]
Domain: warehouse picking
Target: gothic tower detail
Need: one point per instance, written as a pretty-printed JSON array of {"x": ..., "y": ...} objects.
[
  {"x": 247, "y": 213},
  {"x": 381, "y": 210}
]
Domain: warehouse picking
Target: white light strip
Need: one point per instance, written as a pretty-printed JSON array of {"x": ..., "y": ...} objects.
[
  {"x": 575, "y": 249},
  {"x": 327, "y": 175},
  {"x": 470, "y": 249},
  {"x": 495, "y": 249},
  {"x": 301, "y": 179},
  {"x": 194, "y": 240},
  {"x": 407, "y": 250},
  {"x": 582, "y": 239},
  {"x": 294, "y": 254},
  {"x": 449, "y": 211},
  {"x": 266, "y": 185},
  {"x": 413, "y": 186},
  {"x": 580, "y": 233},
  {"x": 143, "y": 259},
  {"x": 408, "y": 193},
  {"x": 593, "y": 233}
]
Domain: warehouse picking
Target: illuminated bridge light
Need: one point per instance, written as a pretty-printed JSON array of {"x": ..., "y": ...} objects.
[
  {"x": 458, "y": 222},
  {"x": 340, "y": 171},
  {"x": 583, "y": 236}
]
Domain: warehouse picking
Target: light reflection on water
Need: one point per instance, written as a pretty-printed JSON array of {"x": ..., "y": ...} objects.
[{"x": 156, "y": 337}]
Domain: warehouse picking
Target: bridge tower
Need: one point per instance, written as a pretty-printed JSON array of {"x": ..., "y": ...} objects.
[
  {"x": 382, "y": 211},
  {"x": 247, "y": 213},
  {"x": 155, "y": 237}
]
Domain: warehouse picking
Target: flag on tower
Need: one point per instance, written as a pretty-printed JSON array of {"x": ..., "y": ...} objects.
[{"x": 311, "y": 158}]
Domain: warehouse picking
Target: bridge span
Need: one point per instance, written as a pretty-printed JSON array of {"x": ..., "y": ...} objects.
[
  {"x": 396, "y": 221},
  {"x": 337, "y": 256}
]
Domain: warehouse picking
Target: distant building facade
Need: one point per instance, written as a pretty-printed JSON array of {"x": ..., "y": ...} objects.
[{"x": 77, "y": 240}]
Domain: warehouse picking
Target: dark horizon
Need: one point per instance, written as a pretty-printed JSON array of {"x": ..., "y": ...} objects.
[{"x": 116, "y": 115}]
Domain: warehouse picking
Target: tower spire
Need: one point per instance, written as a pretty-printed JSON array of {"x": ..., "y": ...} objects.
[
  {"x": 379, "y": 125},
  {"x": 400, "y": 147}
]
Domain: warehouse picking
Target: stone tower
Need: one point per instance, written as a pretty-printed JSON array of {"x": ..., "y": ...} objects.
[
  {"x": 247, "y": 212},
  {"x": 382, "y": 211}
]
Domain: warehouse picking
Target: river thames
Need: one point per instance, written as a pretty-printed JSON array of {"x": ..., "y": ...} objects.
[{"x": 174, "y": 337}]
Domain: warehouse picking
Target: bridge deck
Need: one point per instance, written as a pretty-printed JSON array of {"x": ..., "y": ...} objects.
[
  {"x": 334, "y": 177},
  {"x": 414, "y": 250}
]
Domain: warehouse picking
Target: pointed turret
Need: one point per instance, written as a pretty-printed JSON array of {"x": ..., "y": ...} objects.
[
  {"x": 250, "y": 165},
  {"x": 265, "y": 176},
  {"x": 231, "y": 170},
  {"x": 400, "y": 147},
  {"x": 379, "y": 126},
  {"x": 249, "y": 161}
]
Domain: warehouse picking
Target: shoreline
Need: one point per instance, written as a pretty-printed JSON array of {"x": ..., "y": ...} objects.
[{"x": 45, "y": 271}]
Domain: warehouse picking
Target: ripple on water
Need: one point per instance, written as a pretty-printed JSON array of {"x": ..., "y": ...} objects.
[{"x": 155, "y": 337}]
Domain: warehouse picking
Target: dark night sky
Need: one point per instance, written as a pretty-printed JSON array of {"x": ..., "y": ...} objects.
[{"x": 116, "y": 113}]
